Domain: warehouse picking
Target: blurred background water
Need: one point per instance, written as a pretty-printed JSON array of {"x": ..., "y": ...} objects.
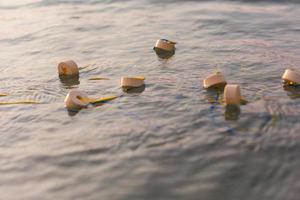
[{"x": 170, "y": 141}]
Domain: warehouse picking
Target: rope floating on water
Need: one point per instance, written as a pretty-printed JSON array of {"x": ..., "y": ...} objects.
[
  {"x": 98, "y": 78},
  {"x": 102, "y": 99},
  {"x": 19, "y": 102},
  {"x": 76, "y": 99},
  {"x": 81, "y": 68},
  {"x": 3, "y": 94}
]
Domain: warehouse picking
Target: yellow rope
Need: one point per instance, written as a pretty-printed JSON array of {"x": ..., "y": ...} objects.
[
  {"x": 98, "y": 100},
  {"x": 81, "y": 68},
  {"x": 103, "y": 99},
  {"x": 19, "y": 102},
  {"x": 3, "y": 94},
  {"x": 98, "y": 78}
]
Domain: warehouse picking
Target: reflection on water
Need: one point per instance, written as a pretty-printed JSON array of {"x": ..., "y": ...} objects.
[
  {"x": 72, "y": 113},
  {"x": 165, "y": 140},
  {"x": 164, "y": 54},
  {"x": 131, "y": 90},
  {"x": 232, "y": 112},
  {"x": 292, "y": 91},
  {"x": 69, "y": 81}
]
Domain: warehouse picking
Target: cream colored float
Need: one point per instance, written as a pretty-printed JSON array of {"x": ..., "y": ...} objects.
[
  {"x": 291, "y": 77},
  {"x": 165, "y": 44},
  {"x": 76, "y": 100},
  {"x": 68, "y": 68},
  {"x": 132, "y": 82},
  {"x": 214, "y": 80},
  {"x": 232, "y": 95}
]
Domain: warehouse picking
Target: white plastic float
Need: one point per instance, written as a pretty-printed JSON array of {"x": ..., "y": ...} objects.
[
  {"x": 232, "y": 95},
  {"x": 68, "y": 68},
  {"x": 76, "y": 100},
  {"x": 132, "y": 82},
  {"x": 214, "y": 80},
  {"x": 165, "y": 44},
  {"x": 291, "y": 77}
]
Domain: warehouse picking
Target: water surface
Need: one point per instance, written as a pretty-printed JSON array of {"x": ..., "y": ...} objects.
[{"x": 170, "y": 141}]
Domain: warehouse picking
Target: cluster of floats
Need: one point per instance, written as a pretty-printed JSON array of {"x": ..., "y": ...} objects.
[{"x": 77, "y": 99}]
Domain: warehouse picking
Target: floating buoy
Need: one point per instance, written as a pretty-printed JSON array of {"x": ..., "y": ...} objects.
[
  {"x": 76, "y": 100},
  {"x": 214, "y": 80},
  {"x": 165, "y": 45},
  {"x": 291, "y": 77},
  {"x": 232, "y": 95},
  {"x": 132, "y": 82},
  {"x": 69, "y": 81},
  {"x": 68, "y": 68}
]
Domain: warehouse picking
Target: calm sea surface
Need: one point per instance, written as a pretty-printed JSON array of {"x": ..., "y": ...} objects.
[{"x": 172, "y": 141}]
